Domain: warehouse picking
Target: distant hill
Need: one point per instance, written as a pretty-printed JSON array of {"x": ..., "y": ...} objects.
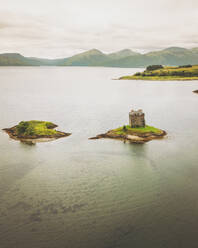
[
  {"x": 170, "y": 56},
  {"x": 16, "y": 59},
  {"x": 95, "y": 57},
  {"x": 92, "y": 57},
  {"x": 194, "y": 50},
  {"x": 122, "y": 54},
  {"x": 124, "y": 58},
  {"x": 174, "y": 56}
]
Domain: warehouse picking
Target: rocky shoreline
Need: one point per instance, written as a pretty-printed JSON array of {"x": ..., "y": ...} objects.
[{"x": 132, "y": 137}]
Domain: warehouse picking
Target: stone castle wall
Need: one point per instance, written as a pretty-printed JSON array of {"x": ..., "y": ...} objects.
[{"x": 136, "y": 119}]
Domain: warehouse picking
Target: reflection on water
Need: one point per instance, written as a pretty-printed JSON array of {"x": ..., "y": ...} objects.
[
  {"x": 76, "y": 192},
  {"x": 29, "y": 143}
]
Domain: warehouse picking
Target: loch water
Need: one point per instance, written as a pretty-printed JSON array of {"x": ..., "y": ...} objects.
[{"x": 81, "y": 193}]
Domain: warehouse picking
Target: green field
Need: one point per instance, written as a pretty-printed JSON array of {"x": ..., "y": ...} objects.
[
  {"x": 167, "y": 73},
  {"x": 35, "y": 128},
  {"x": 127, "y": 130}
]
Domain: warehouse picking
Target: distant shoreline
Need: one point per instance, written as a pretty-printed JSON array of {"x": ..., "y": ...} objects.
[
  {"x": 158, "y": 78},
  {"x": 166, "y": 73}
]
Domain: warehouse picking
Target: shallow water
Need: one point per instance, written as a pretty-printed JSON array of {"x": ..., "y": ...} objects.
[{"x": 75, "y": 192}]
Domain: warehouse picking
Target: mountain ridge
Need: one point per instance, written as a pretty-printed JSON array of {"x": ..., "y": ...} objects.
[{"x": 123, "y": 58}]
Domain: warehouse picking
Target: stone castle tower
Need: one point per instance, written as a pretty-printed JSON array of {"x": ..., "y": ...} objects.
[{"x": 136, "y": 118}]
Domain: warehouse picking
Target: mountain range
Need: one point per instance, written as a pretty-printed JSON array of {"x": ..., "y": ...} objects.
[{"x": 124, "y": 58}]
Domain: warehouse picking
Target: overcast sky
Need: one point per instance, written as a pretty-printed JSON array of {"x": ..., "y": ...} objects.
[{"x": 60, "y": 28}]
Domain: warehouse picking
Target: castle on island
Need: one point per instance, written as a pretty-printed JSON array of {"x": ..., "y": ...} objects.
[{"x": 136, "y": 118}]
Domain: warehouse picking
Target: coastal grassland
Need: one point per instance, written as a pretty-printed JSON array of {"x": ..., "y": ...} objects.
[
  {"x": 35, "y": 128},
  {"x": 142, "y": 130},
  {"x": 168, "y": 73}
]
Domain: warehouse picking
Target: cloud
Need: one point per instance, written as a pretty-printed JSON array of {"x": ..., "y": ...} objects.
[{"x": 51, "y": 28}]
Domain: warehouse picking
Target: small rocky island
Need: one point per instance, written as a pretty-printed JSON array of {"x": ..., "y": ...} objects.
[
  {"x": 166, "y": 73},
  {"x": 136, "y": 132},
  {"x": 33, "y": 131}
]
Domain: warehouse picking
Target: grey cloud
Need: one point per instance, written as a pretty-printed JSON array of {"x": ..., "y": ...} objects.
[{"x": 63, "y": 28}]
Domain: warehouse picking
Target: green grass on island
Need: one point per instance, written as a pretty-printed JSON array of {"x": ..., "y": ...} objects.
[
  {"x": 35, "y": 131},
  {"x": 127, "y": 129},
  {"x": 166, "y": 73},
  {"x": 35, "y": 128}
]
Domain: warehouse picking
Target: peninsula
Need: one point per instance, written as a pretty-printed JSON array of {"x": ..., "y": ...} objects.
[
  {"x": 195, "y": 91},
  {"x": 136, "y": 132},
  {"x": 166, "y": 73},
  {"x": 35, "y": 131}
]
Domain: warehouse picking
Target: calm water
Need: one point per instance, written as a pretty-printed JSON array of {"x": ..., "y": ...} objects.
[{"x": 80, "y": 193}]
